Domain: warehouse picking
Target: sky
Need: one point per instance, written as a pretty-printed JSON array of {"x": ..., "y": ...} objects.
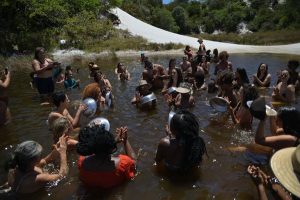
[{"x": 166, "y": 1}]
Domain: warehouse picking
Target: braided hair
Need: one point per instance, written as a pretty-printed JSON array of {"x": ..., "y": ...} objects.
[{"x": 187, "y": 128}]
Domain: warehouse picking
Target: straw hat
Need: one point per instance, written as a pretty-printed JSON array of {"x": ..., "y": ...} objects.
[
  {"x": 285, "y": 165},
  {"x": 182, "y": 90}
]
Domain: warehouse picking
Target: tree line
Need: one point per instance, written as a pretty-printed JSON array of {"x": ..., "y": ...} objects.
[{"x": 194, "y": 16}]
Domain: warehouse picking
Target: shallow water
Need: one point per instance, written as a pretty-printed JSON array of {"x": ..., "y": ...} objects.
[{"x": 221, "y": 176}]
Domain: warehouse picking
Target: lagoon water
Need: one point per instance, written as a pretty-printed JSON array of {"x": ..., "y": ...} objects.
[{"x": 221, "y": 176}]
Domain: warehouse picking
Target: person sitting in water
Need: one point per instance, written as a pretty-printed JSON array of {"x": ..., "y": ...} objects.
[
  {"x": 141, "y": 91},
  {"x": 174, "y": 74},
  {"x": 212, "y": 86},
  {"x": 199, "y": 81},
  {"x": 122, "y": 72},
  {"x": 204, "y": 65},
  {"x": 189, "y": 53},
  {"x": 97, "y": 166},
  {"x": 154, "y": 74},
  {"x": 43, "y": 66},
  {"x": 294, "y": 75},
  {"x": 103, "y": 83},
  {"x": 93, "y": 91},
  {"x": 185, "y": 67},
  {"x": 26, "y": 173},
  {"x": 93, "y": 69},
  {"x": 184, "y": 99},
  {"x": 240, "y": 79},
  {"x": 241, "y": 114},
  {"x": 223, "y": 63},
  {"x": 284, "y": 91},
  {"x": 61, "y": 101},
  {"x": 69, "y": 81},
  {"x": 285, "y": 166},
  {"x": 4, "y": 110},
  {"x": 182, "y": 149},
  {"x": 62, "y": 126},
  {"x": 262, "y": 78},
  {"x": 170, "y": 97},
  {"x": 285, "y": 129},
  {"x": 226, "y": 86}
]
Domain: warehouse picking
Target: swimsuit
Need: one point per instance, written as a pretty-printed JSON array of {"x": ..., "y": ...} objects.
[{"x": 107, "y": 179}]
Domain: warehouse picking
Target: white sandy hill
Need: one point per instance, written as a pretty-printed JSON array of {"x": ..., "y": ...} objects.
[{"x": 157, "y": 35}]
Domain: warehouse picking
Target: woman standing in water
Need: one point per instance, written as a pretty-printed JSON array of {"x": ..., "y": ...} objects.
[
  {"x": 262, "y": 78},
  {"x": 43, "y": 66},
  {"x": 26, "y": 174},
  {"x": 182, "y": 149}
]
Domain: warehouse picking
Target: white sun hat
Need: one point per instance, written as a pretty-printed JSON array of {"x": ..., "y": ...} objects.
[{"x": 285, "y": 165}]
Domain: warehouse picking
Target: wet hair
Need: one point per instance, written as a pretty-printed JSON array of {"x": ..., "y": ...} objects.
[
  {"x": 243, "y": 74},
  {"x": 58, "y": 98},
  {"x": 148, "y": 64},
  {"x": 37, "y": 51},
  {"x": 250, "y": 93},
  {"x": 259, "y": 72},
  {"x": 216, "y": 52},
  {"x": 95, "y": 140},
  {"x": 223, "y": 54},
  {"x": 293, "y": 64},
  {"x": 69, "y": 67},
  {"x": 187, "y": 133},
  {"x": 23, "y": 156},
  {"x": 199, "y": 78},
  {"x": 211, "y": 86},
  {"x": 96, "y": 76},
  {"x": 226, "y": 78},
  {"x": 171, "y": 61},
  {"x": 59, "y": 126},
  {"x": 290, "y": 118}
]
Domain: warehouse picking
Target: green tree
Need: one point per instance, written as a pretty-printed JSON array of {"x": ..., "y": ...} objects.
[
  {"x": 162, "y": 18},
  {"x": 180, "y": 18}
]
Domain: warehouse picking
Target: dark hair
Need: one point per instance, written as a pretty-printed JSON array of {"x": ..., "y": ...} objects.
[
  {"x": 96, "y": 74},
  {"x": 290, "y": 117},
  {"x": 37, "y": 51},
  {"x": 172, "y": 60},
  {"x": 199, "y": 79},
  {"x": 226, "y": 78},
  {"x": 69, "y": 67},
  {"x": 293, "y": 64},
  {"x": 243, "y": 74},
  {"x": 258, "y": 73},
  {"x": 216, "y": 52},
  {"x": 211, "y": 86},
  {"x": 58, "y": 97},
  {"x": 148, "y": 64},
  {"x": 250, "y": 93},
  {"x": 187, "y": 133},
  {"x": 95, "y": 140},
  {"x": 187, "y": 47}
]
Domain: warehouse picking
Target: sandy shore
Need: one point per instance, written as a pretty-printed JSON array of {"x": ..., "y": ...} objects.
[{"x": 157, "y": 35}]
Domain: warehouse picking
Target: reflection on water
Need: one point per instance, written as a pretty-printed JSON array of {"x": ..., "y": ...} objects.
[{"x": 221, "y": 176}]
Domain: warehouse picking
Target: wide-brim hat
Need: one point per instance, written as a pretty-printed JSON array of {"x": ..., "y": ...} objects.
[
  {"x": 182, "y": 90},
  {"x": 285, "y": 165},
  {"x": 258, "y": 108},
  {"x": 143, "y": 83}
]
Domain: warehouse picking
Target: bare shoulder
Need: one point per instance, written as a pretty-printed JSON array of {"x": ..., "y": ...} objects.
[{"x": 164, "y": 142}]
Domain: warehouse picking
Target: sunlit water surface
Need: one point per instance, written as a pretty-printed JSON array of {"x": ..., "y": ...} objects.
[{"x": 221, "y": 176}]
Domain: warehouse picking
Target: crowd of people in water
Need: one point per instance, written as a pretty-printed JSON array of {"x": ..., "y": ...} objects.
[{"x": 182, "y": 149}]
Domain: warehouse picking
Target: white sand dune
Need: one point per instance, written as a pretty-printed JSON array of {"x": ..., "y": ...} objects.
[{"x": 157, "y": 35}]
